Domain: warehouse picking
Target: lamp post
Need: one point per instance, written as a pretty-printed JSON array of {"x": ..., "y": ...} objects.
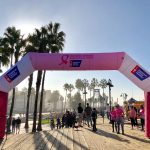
[
  {"x": 85, "y": 84},
  {"x": 109, "y": 83}
]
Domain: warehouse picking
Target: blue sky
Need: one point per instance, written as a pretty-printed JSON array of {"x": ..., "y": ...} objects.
[{"x": 90, "y": 26}]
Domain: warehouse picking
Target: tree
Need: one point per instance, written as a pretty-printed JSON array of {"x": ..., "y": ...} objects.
[
  {"x": 94, "y": 83},
  {"x": 29, "y": 48},
  {"x": 15, "y": 44},
  {"x": 103, "y": 84},
  {"x": 66, "y": 88},
  {"x": 79, "y": 85},
  {"x": 71, "y": 88},
  {"x": 28, "y": 100},
  {"x": 53, "y": 41},
  {"x": 4, "y": 54},
  {"x": 37, "y": 40},
  {"x": 76, "y": 100},
  {"x": 54, "y": 98}
]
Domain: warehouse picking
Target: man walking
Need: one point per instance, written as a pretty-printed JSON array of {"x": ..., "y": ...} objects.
[{"x": 88, "y": 112}]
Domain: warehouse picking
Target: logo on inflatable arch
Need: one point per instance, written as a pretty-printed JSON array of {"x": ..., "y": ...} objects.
[
  {"x": 140, "y": 73},
  {"x": 12, "y": 74},
  {"x": 73, "y": 63}
]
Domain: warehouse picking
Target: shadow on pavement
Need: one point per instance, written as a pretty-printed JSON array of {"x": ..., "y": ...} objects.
[
  {"x": 54, "y": 140},
  {"x": 109, "y": 135},
  {"x": 74, "y": 141},
  {"x": 138, "y": 139}
]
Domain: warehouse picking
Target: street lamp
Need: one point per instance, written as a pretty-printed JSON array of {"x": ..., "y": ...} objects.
[
  {"x": 109, "y": 83},
  {"x": 85, "y": 84}
]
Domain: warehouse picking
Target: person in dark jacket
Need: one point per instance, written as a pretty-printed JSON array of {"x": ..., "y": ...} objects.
[
  {"x": 80, "y": 114},
  {"x": 18, "y": 124},
  {"x": 13, "y": 125},
  {"x": 94, "y": 117}
]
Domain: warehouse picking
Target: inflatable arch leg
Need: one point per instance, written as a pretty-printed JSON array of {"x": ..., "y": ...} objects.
[
  {"x": 147, "y": 114},
  {"x": 3, "y": 112}
]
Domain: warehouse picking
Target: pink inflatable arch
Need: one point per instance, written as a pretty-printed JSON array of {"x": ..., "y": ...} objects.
[{"x": 88, "y": 61}]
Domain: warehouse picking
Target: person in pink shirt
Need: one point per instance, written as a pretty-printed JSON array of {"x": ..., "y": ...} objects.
[
  {"x": 142, "y": 117},
  {"x": 132, "y": 115},
  {"x": 119, "y": 118},
  {"x": 113, "y": 118}
]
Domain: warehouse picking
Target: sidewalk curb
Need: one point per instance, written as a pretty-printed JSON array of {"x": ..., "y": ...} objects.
[{"x": 2, "y": 144}]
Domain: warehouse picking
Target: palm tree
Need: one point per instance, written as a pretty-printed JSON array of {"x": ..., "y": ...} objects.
[
  {"x": 79, "y": 85},
  {"x": 66, "y": 88},
  {"x": 4, "y": 54},
  {"x": 54, "y": 43},
  {"x": 103, "y": 84},
  {"x": 71, "y": 88},
  {"x": 29, "y": 48},
  {"x": 15, "y": 43},
  {"x": 28, "y": 100},
  {"x": 94, "y": 83},
  {"x": 36, "y": 40}
]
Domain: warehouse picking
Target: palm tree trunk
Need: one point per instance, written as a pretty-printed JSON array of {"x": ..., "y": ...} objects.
[
  {"x": 28, "y": 100},
  {"x": 38, "y": 82},
  {"x": 11, "y": 111},
  {"x": 39, "y": 127},
  {"x": 65, "y": 101},
  {"x": 11, "y": 60}
]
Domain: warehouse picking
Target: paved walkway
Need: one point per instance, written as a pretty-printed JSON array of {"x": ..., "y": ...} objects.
[{"x": 84, "y": 139}]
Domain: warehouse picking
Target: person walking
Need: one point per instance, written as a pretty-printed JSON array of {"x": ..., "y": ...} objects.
[
  {"x": 88, "y": 112},
  {"x": 18, "y": 124},
  {"x": 119, "y": 118},
  {"x": 94, "y": 117},
  {"x": 132, "y": 115},
  {"x": 13, "y": 125},
  {"x": 142, "y": 117},
  {"x": 113, "y": 119},
  {"x": 80, "y": 114}
]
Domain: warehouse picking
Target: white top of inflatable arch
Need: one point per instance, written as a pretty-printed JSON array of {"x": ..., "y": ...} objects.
[{"x": 82, "y": 61}]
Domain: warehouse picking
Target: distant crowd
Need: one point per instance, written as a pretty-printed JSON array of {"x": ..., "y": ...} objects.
[{"x": 88, "y": 116}]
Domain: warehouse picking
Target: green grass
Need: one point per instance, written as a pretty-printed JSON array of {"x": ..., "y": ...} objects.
[{"x": 45, "y": 121}]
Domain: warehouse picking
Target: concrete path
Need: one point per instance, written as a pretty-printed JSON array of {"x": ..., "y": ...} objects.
[{"x": 83, "y": 139}]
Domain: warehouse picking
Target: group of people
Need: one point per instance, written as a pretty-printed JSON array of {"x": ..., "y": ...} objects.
[
  {"x": 89, "y": 116},
  {"x": 75, "y": 119},
  {"x": 16, "y": 125},
  {"x": 117, "y": 118},
  {"x": 134, "y": 114},
  {"x": 66, "y": 120}
]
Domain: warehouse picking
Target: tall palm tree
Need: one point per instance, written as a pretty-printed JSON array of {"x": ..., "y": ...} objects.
[
  {"x": 79, "y": 85},
  {"x": 103, "y": 84},
  {"x": 29, "y": 48},
  {"x": 94, "y": 83},
  {"x": 54, "y": 43},
  {"x": 15, "y": 43},
  {"x": 66, "y": 88},
  {"x": 71, "y": 88},
  {"x": 37, "y": 41},
  {"x": 28, "y": 100},
  {"x": 4, "y": 54}
]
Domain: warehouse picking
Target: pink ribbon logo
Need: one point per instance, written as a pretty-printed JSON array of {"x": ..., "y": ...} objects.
[{"x": 64, "y": 59}]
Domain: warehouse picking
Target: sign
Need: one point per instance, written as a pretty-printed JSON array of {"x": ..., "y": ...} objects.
[
  {"x": 12, "y": 74},
  {"x": 75, "y": 63},
  {"x": 140, "y": 73}
]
